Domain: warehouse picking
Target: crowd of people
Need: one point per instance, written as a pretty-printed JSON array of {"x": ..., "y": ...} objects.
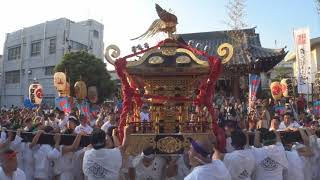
[{"x": 105, "y": 157}]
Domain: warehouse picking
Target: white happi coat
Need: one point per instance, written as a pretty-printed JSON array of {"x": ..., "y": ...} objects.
[
  {"x": 17, "y": 175},
  {"x": 183, "y": 169},
  {"x": 215, "y": 170},
  {"x": 77, "y": 161},
  {"x": 102, "y": 164},
  {"x": 26, "y": 154},
  {"x": 315, "y": 160},
  {"x": 240, "y": 163},
  {"x": 43, "y": 158},
  {"x": 271, "y": 161},
  {"x": 155, "y": 171},
  {"x": 295, "y": 166},
  {"x": 63, "y": 166}
]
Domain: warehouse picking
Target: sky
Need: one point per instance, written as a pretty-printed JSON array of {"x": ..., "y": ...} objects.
[{"x": 125, "y": 19}]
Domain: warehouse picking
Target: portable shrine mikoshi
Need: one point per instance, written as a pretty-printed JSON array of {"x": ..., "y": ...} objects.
[{"x": 177, "y": 83}]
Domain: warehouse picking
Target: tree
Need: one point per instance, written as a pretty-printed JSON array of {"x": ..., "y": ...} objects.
[
  {"x": 86, "y": 67},
  {"x": 318, "y": 6},
  {"x": 237, "y": 14},
  {"x": 237, "y": 17},
  {"x": 282, "y": 72}
]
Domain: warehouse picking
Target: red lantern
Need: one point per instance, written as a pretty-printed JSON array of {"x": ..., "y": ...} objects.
[{"x": 276, "y": 90}]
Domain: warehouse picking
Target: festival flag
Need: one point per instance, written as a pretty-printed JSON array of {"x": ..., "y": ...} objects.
[
  {"x": 303, "y": 58},
  {"x": 254, "y": 83}
]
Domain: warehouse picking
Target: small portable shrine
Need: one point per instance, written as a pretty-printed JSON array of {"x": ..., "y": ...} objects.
[{"x": 177, "y": 87}]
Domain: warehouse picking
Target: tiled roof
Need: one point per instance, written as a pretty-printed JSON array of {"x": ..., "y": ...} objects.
[{"x": 248, "y": 53}]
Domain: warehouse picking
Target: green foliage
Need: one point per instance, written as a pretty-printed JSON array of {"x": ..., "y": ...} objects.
[
  {"x": 318, "y": 6},
  {"x": 281, "y": 72},
  {"x": 88, "y": 68}
]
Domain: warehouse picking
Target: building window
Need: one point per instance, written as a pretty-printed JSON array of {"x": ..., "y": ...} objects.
[
  {"x": 95, "y": 34},
  {"x": 35, "y": 48},
  {"x": 77, "y": 46},
  {"x": 52, "y": 45},
  {"x": 12, "y": 77},
  {"x": 14, "y": 53},
  {"x": 49, "y": 71}
]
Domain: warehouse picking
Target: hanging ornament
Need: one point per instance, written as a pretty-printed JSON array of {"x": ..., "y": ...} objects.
[
  {"x": 287, "y": 87},
  {"x": 80, "y": 90},
  {"x": 35, "y": 93},
  {"x": 284, "y": 87},
  {"x": 93, "y": 94},
  {"x": 276, "y": 90},
  {"x": 60, "y": 81},
  {"x": 66, "y": 91}
]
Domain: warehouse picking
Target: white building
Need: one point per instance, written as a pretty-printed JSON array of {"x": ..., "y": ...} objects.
[{"x": 33, "y": 52}]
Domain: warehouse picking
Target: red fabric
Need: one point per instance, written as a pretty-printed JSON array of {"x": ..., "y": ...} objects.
[
  {"x": 127, "y": 94},
  {"x": 127, "y": 91},
  {"x": 205, "y": 95}
]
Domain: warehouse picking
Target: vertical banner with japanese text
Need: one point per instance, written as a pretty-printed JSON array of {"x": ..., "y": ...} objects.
[{"x": 303, "y": 59}]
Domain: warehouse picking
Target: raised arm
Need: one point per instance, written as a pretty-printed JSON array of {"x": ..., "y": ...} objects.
[
  {"x": 74, "y": 146},
  {"x": 36, "y": 138},
  {"x": 278, "y": 138},
  {"x": 307, "y": 152},
  {"x": 57, "y": 139},
  {"x": 115, "y": 138},
  {"x": 127, "y": 132},
  {"x": 257, "y": 139},
  {"x": 15, "y": 145},
  {"x": 247, "y": 138},
  {"x": 304, "y": 137},
  {"x": 312, "y": 138}
]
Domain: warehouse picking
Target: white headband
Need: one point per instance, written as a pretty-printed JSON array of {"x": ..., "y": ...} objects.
[{"x": 150, "y": 156}]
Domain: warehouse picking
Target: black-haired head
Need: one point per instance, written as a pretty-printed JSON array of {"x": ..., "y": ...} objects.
[
  {"x": 238, "y": 139},
  {"x": 98, "y": 138}
]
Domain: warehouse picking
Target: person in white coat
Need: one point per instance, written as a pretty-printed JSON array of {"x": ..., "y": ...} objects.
[
  {"x": 43, "y": 157},
  {"x": 100, "y": 162},
  {"x": 9, "y": 169},
  {"x": 271, "y": 161},
  {"x": 63, "y": 163},
  {"x": 203, "y": 166},
  {"x": 241, "y": 161},
  {"x": 26, "y": 152},
  {"x": 178, "y": 168},
  {"x": 147, "y": 166}
]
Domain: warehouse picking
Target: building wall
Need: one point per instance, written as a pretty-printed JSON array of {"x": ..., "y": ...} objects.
[{"x": 66, "y": 34}]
